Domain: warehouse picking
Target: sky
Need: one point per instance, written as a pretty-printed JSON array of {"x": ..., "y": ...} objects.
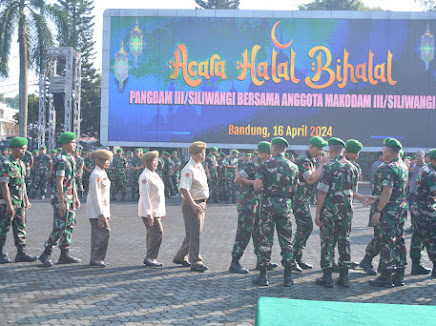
[{"x": 9, "y": 86}]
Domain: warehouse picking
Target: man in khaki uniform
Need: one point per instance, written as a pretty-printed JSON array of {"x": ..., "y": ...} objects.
[{"x": 195, "y": 192}]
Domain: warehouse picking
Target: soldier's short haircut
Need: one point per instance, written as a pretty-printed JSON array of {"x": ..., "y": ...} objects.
[
  {"x": 338, "y": 149},
  {"x": 280, "y": 147}
]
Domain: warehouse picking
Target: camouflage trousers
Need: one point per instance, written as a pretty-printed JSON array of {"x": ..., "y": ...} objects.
[
  {"x": 222, "y": 191},
  {"x": 304, "y": 222},
  {"x": 232, "y": 187},
  {"x": 334, "y": 231},
  {"x": 213, "y": 185},
  {"x": 175, "y": 178},
  {"x": 264, "y": 235},
  {"x": 119, "y": 183},
  {"x": 169, "y": 188},
  {"x": 40, "y": 182},
  {"x": 79, "y": 183},
  {"x": 134, "y": 184},
  {"x": 423, "y": 236},
  {"x": 246, "y": 220},
  {"x": 389, "y": 240},
  {"x": 18, "y": 226},
  {"x": 63, "y": 227},
  {"x": 85, "y": 180}
]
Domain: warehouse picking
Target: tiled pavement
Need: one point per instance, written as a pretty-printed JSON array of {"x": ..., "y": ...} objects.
[{"x": 128, "y": 293}]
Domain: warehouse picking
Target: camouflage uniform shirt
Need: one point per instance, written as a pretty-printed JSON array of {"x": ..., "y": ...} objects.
[
  {"x": 306, "y": 166},
  {"x": 13, "y": 172},
  {"x": 64, "y": 165}
]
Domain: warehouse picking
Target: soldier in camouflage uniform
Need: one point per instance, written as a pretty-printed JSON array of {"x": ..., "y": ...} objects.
[
  {"x": 167, "y": 173},
  {"x": 80, "y": 163},
  {"x": 64, "y": 202},
  {"x": 334, "y": 212},
  {"x": 424, "y": 212},
  {"x": 211, "y": 169},
  {"x": 278, "y": 177},
  {"x": 88, "y": 166},
  {"x": 44, "y": 167},
  {"x": 28, "y": 161},
  {"x": 176, "y": 174},
  {"x": 119, "y": 175},
  {"x": 14, "y": 201},
  {"x": 232, "y": 169},
  {"x": 390, "y": 211},
  {"x": 222, "y": 178},
  {"x": 247, "y": 205},
  {"x": 160, "y": 166},
  {"x": 5, "y": 154},
  {"x": 33, "y": 171},
  {"x": 136, "y": 167},
  {"x": 52, "y": 177},
  {"x": 308, "y": 175}
]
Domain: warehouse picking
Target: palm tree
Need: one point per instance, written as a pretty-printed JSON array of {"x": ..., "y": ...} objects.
[{"x": 34, "y": 36}]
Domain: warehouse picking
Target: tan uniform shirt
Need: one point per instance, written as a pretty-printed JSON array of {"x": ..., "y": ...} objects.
[
  {"x": 98, "y": 200},
  {"x": 151, "y": 195},
  {"x": 193, "y": 178}
]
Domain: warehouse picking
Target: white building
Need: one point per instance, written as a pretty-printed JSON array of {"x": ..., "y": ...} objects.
[{"x": 8, "y": 125}]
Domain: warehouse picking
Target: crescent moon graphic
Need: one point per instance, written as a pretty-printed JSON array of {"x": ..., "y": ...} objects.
[{"x": 274, "y": 39}]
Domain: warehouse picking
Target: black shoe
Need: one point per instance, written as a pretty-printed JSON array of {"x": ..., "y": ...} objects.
[
  {"x": 287, "y": 277},
  {"x": 93, "y": 263},
  {"x": 383, "y": 281},
  {"x": 150, "y": 263},
  {"x": 184, "y": 263},
  {"x": 326, "y": 280},
  {"x": 335, "y": 268},
  {"x": 418, "y": 269},
  {"x": 398, "y": 277},
  {"x": 199, "y": 268},
  {"x": 367, "y": 266},
  {"x": 262, "y": 279},
  {"x": 354, "y": 265},
  {"x": 302, "y": 264},
  {"x": 236, "y": 267},
  {"x": 343, "y": 278},
  {"x": 23, "y": 256},
  {"x": 66, "y": 258},
  {"x": 4, "y": 259},
  {"x": 45, "y": 257}
]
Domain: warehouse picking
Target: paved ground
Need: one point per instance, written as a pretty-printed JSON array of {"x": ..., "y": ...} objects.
[{"x": 128, "y": 293}]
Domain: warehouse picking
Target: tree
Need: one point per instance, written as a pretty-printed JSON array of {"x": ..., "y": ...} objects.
[
  {"x": 218, "y": 4},
  {"x": 30, "y": 17},
  {"x": 336, "y": 5},
  {"x": 79, "y": 34},
  {"x": 428, "y": 4}
]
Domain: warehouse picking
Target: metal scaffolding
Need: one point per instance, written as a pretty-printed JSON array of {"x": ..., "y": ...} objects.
[{"x": 61, "y": 75}]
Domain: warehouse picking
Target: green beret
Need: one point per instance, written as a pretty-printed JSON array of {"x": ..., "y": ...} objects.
[
  {"x": 249, "y": 154},
  {"x": 35, "y": 151},
  {"x": 149, "y": 156},
  {"x": 18, "y": 142},
  {"x": 60, "y": 149},
  {"x": 235, "y": 151},
  {"x": 213, "y": 148},
  {"x": 120, "y": 150},
  {"x": 264, "y": 146},
  {"x": 197, "y": 147},
  {"x": 401, "y": 153},
  {"x": 279, "y": 141},
  {"x": 318, "y": 142},
  {"x": 90, "y": 151},
  {"x": 42, "y": 147},
  {"x": 78, "y": 149},
  {"x": 335, "y": 141},
  {"x": 407, "y": 157},
  {"x": 432, "y": 153},
  {"x": 66, "y": 137},
  {"x": 392, "y": 143},
  {"x": 223, "y": 154},
  {"x": 145, "y": 150},
  {"x": 165, "y": 153},
  {"x": 138, "y": 150},
  {"x": 353, "y": 146},
  {"x": 52, "y": 151},
  {"x": 174, "y": 152}
]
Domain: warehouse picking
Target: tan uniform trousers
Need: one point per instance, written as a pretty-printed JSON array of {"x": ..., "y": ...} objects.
[
  {"x": 99, "y": 239},
  {"x": 154, "y": 237},
  {"x": 193, "y": 227}
]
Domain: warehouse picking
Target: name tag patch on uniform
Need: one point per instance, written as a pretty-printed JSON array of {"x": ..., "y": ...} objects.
[
  {"x": 188, "y": 175},
  {"x": 144, "y": 181},
  {"x": 98, "y": 180}
]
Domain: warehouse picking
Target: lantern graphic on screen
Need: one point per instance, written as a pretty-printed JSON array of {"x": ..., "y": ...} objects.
[
  {"x": 136, "y": 42},
  {"x": 427, "y": 47},
  {"x": 121, "y": 67}
]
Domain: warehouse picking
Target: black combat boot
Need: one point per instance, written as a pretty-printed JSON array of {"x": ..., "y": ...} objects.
[
  {"x": 271, "y": 266},
  {"x": 383, "y": 281},
  {"x": 287, "y": 277},
  {"x": 398, "y": 277},
  {"x": 326, "y": 279},
  {"x": 23, "y": 256},
  {"x": 45, "y": 257},
  {"x": 301, "y": 263},
  {"x": 262, "y": 279},
  {"x": 343, "y": 278},
  {"x": 433, "y": 274},
  {"x": 66, "y": 258},
  {"x": 335, "y": 268},
  {"x": 366, "y": 264},
  {"x": 236, "y": 267},
  {"x": 4, "y": 259},
  {"x": 418, "y": 269}
]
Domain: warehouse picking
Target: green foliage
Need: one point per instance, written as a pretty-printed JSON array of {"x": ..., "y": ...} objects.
[
  {"x": 218, "y": 4},
  {"x": 429, "y": 5},
  {"x": 337, "y": 5}
]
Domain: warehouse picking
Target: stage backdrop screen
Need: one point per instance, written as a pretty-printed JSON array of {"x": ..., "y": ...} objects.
[{"x": 235, "y": 78}]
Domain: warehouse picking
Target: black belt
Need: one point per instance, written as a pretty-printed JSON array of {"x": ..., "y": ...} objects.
[{"x": 201, "y": 200}]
